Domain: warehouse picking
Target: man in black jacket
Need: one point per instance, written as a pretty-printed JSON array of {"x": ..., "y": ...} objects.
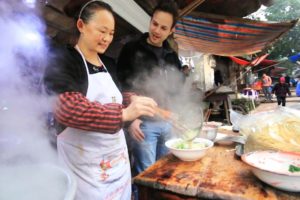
[
  {"x": 280, "y": 90},
  {"x": 148, "y": 66}
]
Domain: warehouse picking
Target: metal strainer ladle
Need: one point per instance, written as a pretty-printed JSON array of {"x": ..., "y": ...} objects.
[{"x": 188, "y": 134}]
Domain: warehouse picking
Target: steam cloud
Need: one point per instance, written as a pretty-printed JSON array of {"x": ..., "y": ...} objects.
[
  {"x": 174, "y": 94},
  {"x": 23, "y": 107},
  {"x": 27, "y": 159}
]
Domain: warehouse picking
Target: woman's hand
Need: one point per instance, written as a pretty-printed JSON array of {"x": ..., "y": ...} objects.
[
  {"x": 135, "y": 130},
  {"x": 139, "y": 106}
]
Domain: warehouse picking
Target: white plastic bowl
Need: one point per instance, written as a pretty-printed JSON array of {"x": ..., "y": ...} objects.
[
  {"x": 189, "y": 154},
  {"x": 272, "y": 167}
]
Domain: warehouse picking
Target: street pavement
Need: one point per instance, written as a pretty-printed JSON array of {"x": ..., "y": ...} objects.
[{"x": 265, "y": 106}]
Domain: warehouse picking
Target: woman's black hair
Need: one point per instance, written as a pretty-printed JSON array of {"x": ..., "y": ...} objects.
[
  {"x": 88, "y": 9},
  {"x": 85, "y": 9},
  {"x": 168, "y": 7}
]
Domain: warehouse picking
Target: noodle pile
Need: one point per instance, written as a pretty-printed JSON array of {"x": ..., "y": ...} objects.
[{"x": 281, "y": 133}]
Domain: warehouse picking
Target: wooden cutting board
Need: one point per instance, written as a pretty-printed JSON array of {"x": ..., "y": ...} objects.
[{"x": 219, "y": 175}]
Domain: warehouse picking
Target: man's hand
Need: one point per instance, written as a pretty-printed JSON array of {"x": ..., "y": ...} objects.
[{"x": 135, "y": 130}]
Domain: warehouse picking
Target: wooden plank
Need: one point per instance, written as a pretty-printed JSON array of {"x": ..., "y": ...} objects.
[{"x": 226, "y": 108}]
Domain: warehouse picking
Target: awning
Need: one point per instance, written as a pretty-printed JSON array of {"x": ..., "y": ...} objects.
[
  {"x": 267, "y": 62},
  {"x": 227, "y": 36},
  {"x": 277, "y": 71},
  {"x": 258, "y": 61}
]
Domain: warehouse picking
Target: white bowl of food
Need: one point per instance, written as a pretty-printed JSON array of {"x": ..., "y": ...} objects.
[
  {"x": 189, "y": 151},
  {"x": 278, "y": 169}
]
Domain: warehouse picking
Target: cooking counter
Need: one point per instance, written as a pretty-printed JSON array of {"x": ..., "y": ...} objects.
[{"x": 218, "y": 175}]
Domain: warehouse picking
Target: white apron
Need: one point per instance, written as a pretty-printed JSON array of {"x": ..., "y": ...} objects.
[{"x": 98, "y": 160}]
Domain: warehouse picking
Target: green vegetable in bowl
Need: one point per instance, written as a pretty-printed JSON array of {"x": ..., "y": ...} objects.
[
  {"x": 180, "y": 145},
  {"x": 189, "y": 145},
  {"x": 293, "y": 168}
]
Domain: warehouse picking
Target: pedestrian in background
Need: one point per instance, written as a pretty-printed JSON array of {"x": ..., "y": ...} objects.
[
  {"x": 280, "y": 90},
  {"x": 267, "y": 82}
]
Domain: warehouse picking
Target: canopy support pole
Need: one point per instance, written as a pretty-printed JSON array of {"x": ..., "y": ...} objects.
[{"x": 190, "y": 8}]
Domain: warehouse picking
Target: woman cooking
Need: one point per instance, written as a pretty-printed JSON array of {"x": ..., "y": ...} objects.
[{"x": 89, "y": 107}]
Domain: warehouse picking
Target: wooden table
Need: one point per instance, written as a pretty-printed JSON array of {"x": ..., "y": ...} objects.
[{"x": 218, "y": 175}]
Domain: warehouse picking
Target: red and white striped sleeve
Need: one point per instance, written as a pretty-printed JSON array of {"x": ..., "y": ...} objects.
[
  {"x": 74, "y": 110},
  {"x": 126, "y": 98}
]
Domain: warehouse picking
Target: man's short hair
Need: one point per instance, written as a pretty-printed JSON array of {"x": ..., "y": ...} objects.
[{"x": 168, "y": 7}]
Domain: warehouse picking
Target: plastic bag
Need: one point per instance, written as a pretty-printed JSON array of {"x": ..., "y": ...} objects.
[
  {"x": 235, "y": 119},
  {"x": 249, "y": 123}
]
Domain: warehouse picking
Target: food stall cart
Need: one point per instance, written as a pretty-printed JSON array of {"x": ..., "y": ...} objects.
[{"x": 218, "y": 175}]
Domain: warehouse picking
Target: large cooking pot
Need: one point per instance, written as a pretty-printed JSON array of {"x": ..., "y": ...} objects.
[{"x": 36, "y": 182}]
